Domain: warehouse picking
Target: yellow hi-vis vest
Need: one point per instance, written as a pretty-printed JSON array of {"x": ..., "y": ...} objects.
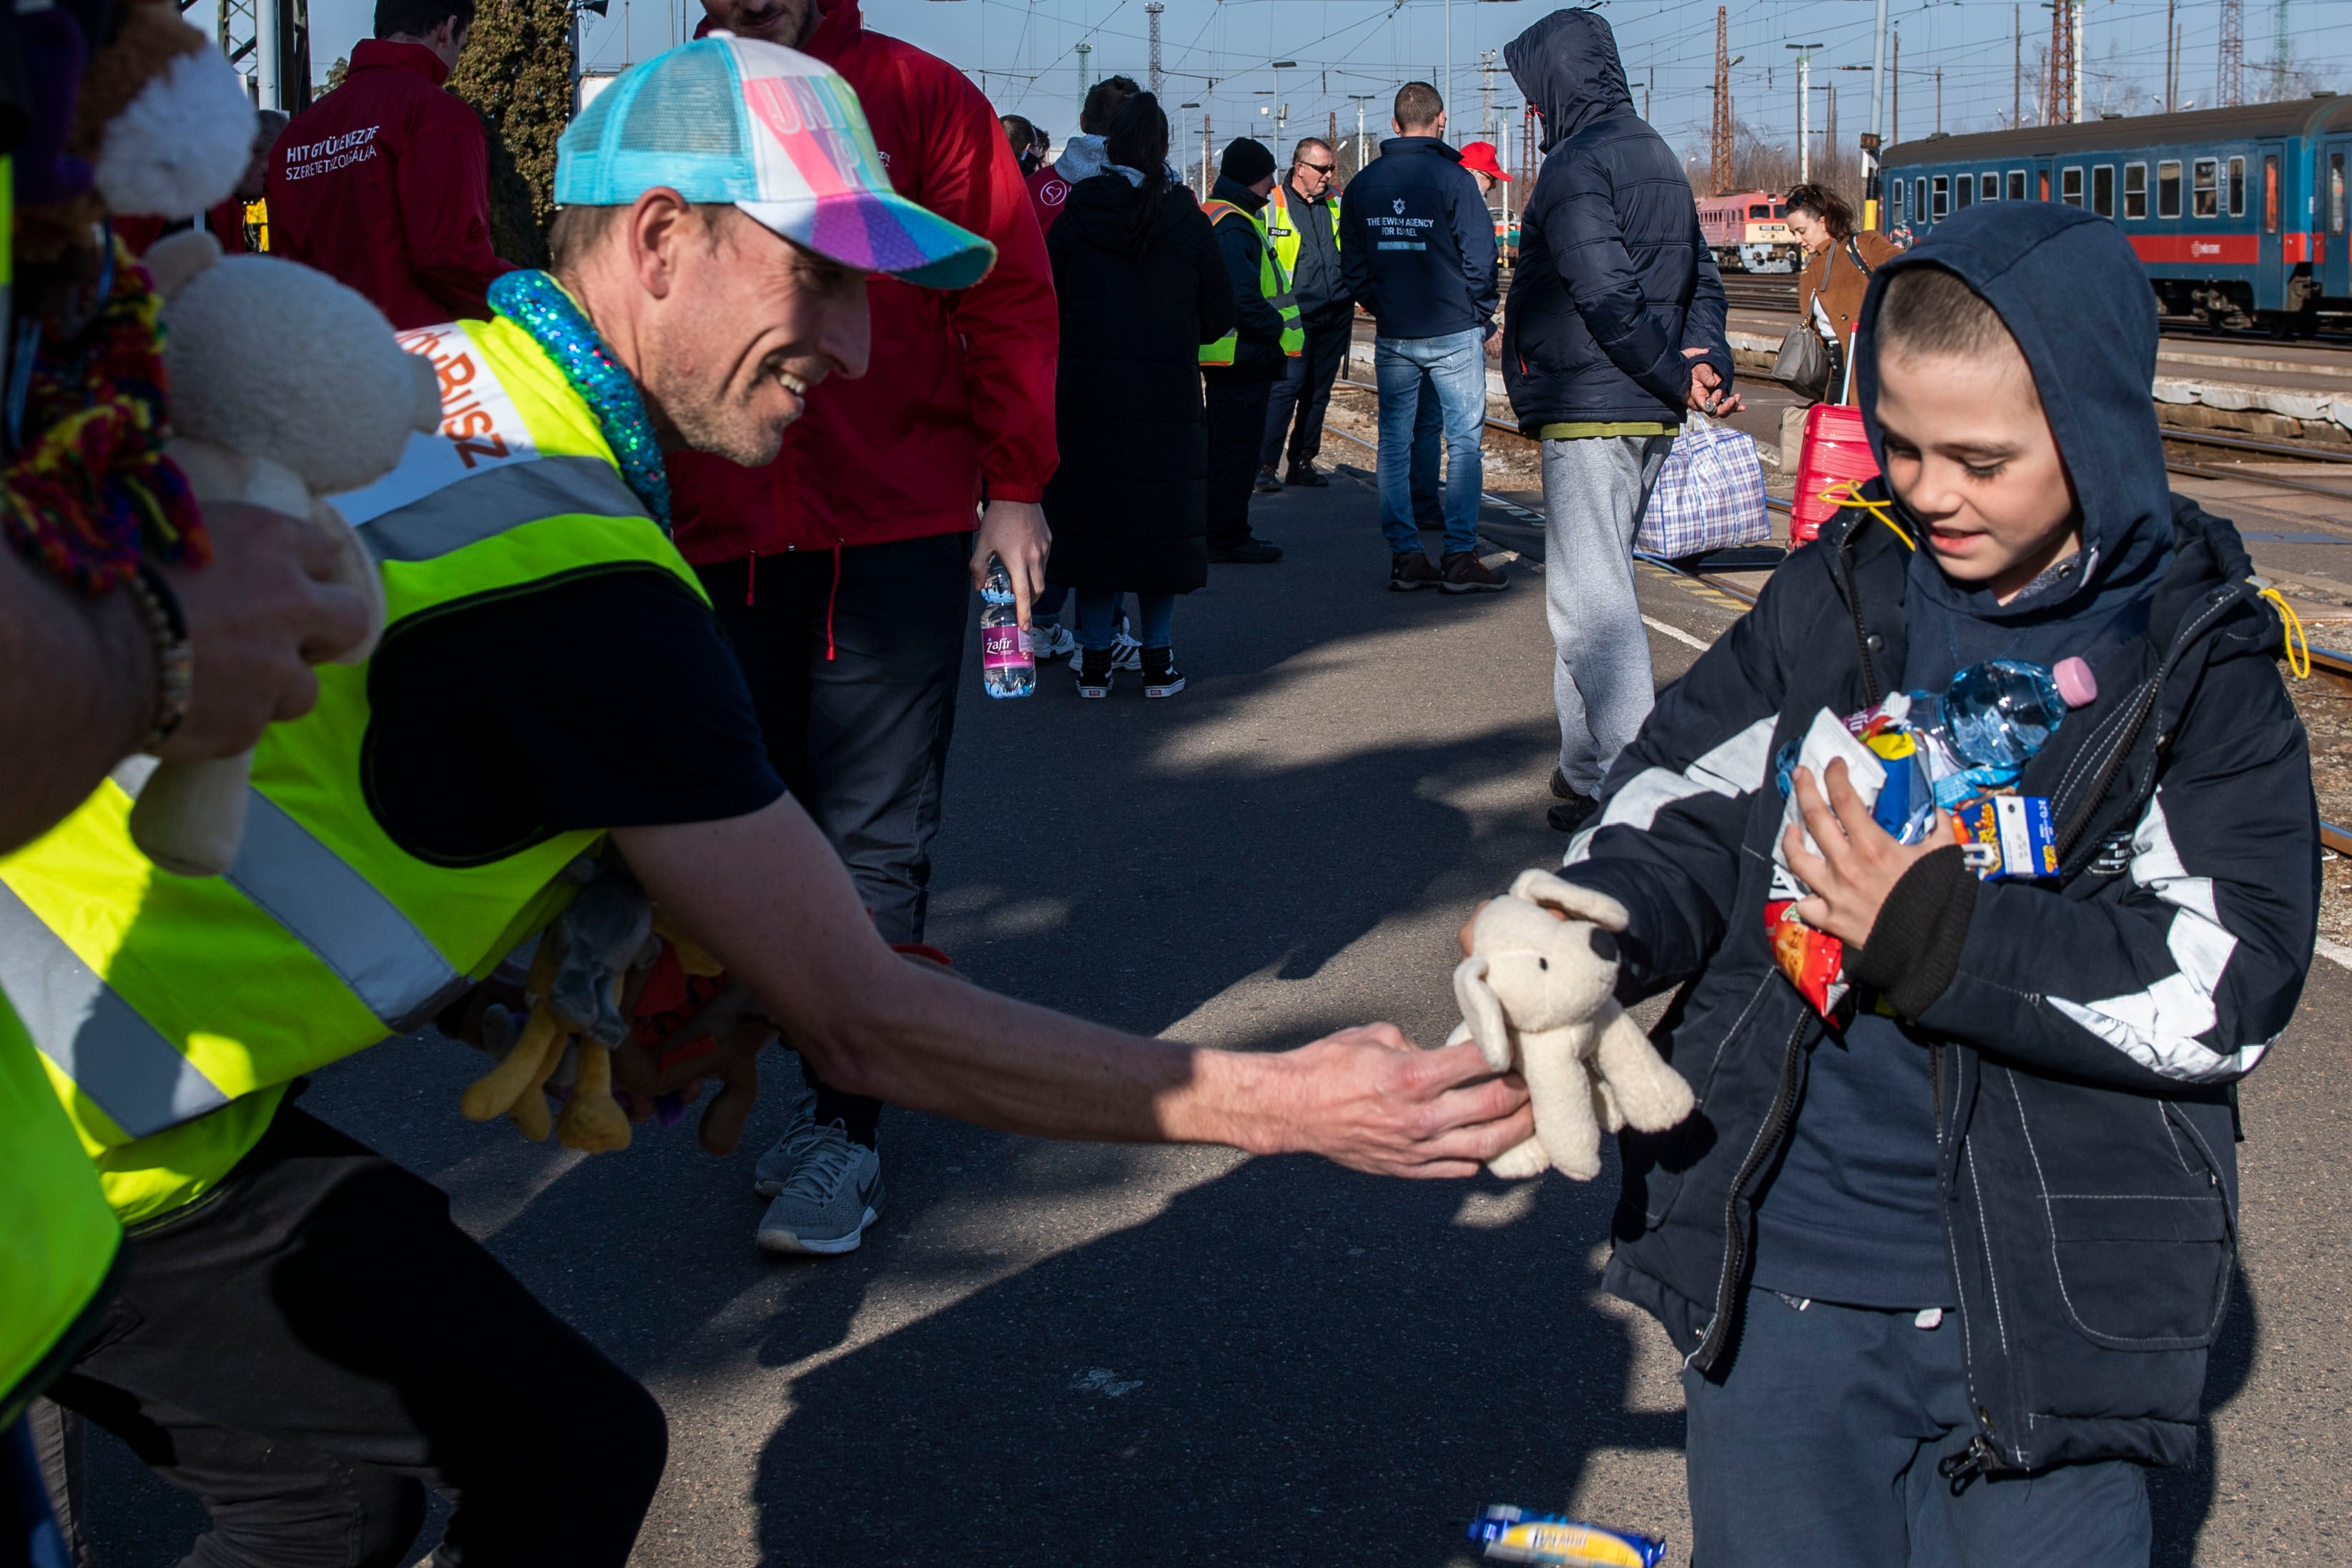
[
  {"x": 172, "y": 1013},
  {"x": 58, "y": 1240},
  {"x": 1272, "y": 281},
  {"x": 1283, "y": 235}
]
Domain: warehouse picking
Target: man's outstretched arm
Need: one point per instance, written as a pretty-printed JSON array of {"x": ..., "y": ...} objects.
[{"x": 766, "y": 894}]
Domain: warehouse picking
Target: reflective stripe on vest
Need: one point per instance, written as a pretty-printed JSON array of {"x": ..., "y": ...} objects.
[
  {"x": 157, "y": 998},
  {"x": 1272, "y": 281},
  {"x": 58, "y": 1241}
]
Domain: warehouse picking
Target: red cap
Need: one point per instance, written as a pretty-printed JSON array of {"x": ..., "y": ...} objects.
[{"x": 1479, "y": 157}]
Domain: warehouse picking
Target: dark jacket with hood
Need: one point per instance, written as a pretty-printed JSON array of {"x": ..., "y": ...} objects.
[
  {"x": 2080, "y": 1035},
  {"x": 1257, "y": 347},
  {"x": 1128, "y": 507},
  {"x": 1615, "y": 278},
  {"x": 1417, "y": 242}
]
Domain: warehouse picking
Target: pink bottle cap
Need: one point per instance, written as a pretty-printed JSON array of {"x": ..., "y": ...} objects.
[{"x": 2076, "y": 684}]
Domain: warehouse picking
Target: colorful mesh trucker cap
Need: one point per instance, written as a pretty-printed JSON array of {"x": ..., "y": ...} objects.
[{"x": 776, "y": 133}]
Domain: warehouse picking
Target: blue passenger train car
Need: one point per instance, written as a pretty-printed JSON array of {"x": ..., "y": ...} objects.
[{"x": 2238, "y": 213}]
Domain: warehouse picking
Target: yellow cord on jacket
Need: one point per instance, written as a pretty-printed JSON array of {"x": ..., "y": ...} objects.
[
  {"x": 2298, "y": 646},
  {"x": 1846, "y": 493}
]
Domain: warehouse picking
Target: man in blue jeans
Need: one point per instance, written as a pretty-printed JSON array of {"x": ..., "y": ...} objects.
[{"x": 1417, "y": 244}]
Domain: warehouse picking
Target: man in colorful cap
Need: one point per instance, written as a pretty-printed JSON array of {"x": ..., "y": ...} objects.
[
  {"x": 843, "y": 570},
  {"x": 303, "y": 1337}
]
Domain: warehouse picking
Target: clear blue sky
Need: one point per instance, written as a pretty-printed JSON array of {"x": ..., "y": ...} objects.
[{"x": 1023, "y": 53}]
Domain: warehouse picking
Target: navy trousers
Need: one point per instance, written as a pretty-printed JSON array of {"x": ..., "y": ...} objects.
[{"x": 1820, "y": 1446}]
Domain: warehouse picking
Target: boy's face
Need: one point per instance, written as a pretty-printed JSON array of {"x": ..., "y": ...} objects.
[{"x": 1970, "y": 454}]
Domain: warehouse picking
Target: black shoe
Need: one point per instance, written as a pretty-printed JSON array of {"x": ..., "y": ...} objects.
[
  {"x": 1094, "y": 672},
  {"x": 1560, "y": 788},
  {"x": 1571, "y": 814},
  {"x": 1304, "y": 473},
  {"x": 1161, "y": 678},
  {"x": 1409, "y": 569},
  {"x": 1267, "y": 485},
  {"x": 1245, "y": 551}
]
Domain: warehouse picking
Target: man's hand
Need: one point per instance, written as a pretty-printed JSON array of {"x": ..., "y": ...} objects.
[
  {"x": 259, "y": 616},
  {"x": 1705, "y": 393},
  {"x": 1367, "y": 1099},
  {"x": 1015, "y": 533},
  {"x": 1859, "y": 863}
]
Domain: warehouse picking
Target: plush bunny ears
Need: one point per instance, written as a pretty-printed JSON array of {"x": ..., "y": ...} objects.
[{"x": 1576, "y": 903}]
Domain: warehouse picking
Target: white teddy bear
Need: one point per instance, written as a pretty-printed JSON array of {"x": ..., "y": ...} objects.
[
  {"x": 286, "y": 387},
  {"x": 1537, "y": 993}
]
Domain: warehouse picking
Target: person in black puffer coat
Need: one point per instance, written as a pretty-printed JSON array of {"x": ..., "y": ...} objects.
[
  {"x": 1141, "y": 286},
  {"x": 1944, "y": 1269}
]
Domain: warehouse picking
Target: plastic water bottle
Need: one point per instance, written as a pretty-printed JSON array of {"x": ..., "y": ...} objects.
[
  {"x": 1007, "y": 669},
  {"x": 1999, "y": 712}
]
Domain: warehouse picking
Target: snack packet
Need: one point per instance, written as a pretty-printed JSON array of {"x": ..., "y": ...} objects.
[{"x": 1513, "y": 1535}]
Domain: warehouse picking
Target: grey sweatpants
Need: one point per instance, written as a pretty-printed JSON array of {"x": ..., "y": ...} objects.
[{"x": 1595, "y": 488}]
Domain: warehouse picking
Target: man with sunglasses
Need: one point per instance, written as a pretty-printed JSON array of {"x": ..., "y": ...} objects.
[{"x": 1302, "y": 224}]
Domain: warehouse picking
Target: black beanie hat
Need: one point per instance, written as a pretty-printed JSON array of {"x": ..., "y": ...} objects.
[{"x": 1246, "y": 161}]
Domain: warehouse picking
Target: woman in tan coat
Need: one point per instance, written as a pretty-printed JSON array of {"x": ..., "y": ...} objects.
[{"x": 1838, "y": 264}]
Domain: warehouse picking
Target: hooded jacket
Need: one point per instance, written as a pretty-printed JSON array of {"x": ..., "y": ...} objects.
[
  {"x": 383, "y": 185},
  {"x": 2080, "y": 1034},
  {"x": 1615, "y": 278},
  {"x": 959, "y": 391},
  {"x": 1417, "y": 242}
]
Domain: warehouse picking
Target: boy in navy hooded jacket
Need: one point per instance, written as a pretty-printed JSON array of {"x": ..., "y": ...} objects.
[{"x": 1945, "y": 1274}]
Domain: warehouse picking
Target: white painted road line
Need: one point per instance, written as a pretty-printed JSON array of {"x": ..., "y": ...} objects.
[
  {"x": 2334, "y": 952},
  {"x": 1688, "y": 641}
]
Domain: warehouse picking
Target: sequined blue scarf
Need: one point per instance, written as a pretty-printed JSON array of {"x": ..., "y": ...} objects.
[{"x": 538, "y": 304}]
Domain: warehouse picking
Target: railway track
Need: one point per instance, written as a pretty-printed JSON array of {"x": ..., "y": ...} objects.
[{"x": 1779, "y": 297}]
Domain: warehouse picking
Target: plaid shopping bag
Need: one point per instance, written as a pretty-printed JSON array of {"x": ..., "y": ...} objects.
[{"x": 1709, "y": 496}]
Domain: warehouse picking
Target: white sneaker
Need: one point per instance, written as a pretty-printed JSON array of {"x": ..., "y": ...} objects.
[
  {"x": 1126, "y": 653},
  {"x": 1048, "y": 642},
  {"x": 826, "y": 1203}
]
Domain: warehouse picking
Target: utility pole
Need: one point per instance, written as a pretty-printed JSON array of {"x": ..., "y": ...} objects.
[
  {"x": 1878, "y": 122},
  {"x": 2279, "y": 54},
  {"x": 1084, "y": 50},
  {"x": 1648, "y": 85},
  {"x": 1151, "y": 16},
  {"x": 1804, "y": 92},
  {"x": 2230, "y": 57},
  {"x": 2017, "y": 65},
  {"x": 1894, "y": 131},
  {"x": 2074, "y": 62},
  {"x": 2064, "y": 101},
  {"x": 1486, "y": 95},
  {"x": 1939, "y": 100},
  {"x": 1828, "y": 134},
  {"x": 1207, "y": 185},
  {"x": 1718, "y": 172}
]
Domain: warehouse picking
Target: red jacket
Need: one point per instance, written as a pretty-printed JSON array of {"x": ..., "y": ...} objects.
[
  {"x": 960, "y": 387},
  {"x": 1047, "y": 193},
  {"x": 385, "y": 186}
]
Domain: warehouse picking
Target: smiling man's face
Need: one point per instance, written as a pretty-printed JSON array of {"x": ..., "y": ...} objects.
[
  {"x": 785, "y": 22},
  {"x": 747, "y": 327}
]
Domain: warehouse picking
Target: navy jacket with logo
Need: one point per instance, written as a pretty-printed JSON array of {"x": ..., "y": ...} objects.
[
  {"x": 2082, "y": 1033},
  {"x": 1417, "y": 242}
]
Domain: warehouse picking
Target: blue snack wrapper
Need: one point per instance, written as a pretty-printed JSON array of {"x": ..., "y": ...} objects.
[{"x": 1515, "y": 1535}]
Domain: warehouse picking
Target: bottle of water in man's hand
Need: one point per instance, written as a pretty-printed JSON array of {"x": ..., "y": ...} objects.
[{"x": 1006, "y": 667}]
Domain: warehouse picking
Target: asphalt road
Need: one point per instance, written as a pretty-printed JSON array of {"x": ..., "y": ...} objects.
[{"x": 1102, "y": 1355}]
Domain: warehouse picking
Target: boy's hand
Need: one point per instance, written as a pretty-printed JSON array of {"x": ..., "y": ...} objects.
[{"x": 1860, "y": 862}]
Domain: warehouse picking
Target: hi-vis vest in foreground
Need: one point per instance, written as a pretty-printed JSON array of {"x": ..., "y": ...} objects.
[
  {"x": 58, "y": 1238},
  {"x": 171, "y": 1012},
  {"x": 1273, "y": 281},
  {"x": 1283, "y": 234}
]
